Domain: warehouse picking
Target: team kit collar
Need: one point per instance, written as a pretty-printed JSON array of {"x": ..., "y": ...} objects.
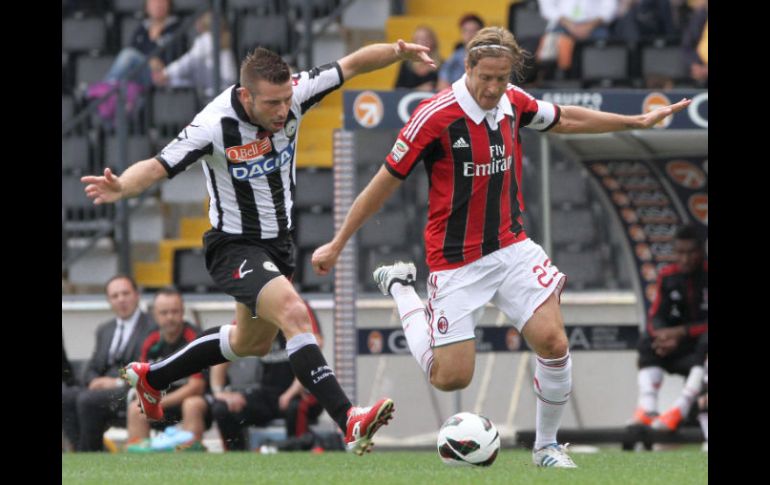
[{"x": 472, "y": 109}]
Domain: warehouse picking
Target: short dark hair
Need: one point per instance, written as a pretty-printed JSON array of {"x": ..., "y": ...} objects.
[
  {"x": 471, "y": 17},
  {"x": 121, "y": 276},
  {"x": 168, "y": 291},
  {"x": 688, "y": 232},
  {"x": 264, "y": 64}
]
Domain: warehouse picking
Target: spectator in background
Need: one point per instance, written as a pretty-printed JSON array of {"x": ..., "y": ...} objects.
[
  {"x": 676, "y": 340},
  {"x": 571, "y": 21},
  {"x": 454, "y": 67},
  {"x": 172, "y": 334},
  {"x": 196, "y": 67},
  {"x": 155, "y": 31},
  {"x": 279, "y": 395},
  {"x": 695, "y": 43},
  {"x": 419, "y": 76},
  {"x": 88, "y": 412},
  {"x": 640, "y": 20}
]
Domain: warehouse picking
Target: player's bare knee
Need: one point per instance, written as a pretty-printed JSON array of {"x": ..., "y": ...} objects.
[
  {"x": 555, "y": 345},
  {"x": 450, "y": 381},
  {"x": 193, "y": 404},
  {"x": 294, "y": 318}
]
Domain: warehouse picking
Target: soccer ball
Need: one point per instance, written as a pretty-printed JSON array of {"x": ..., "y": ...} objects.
[{"x": 468, "y": 439}]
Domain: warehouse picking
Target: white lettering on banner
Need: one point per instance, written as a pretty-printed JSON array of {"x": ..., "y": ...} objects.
[
  {"x": 397, "y": 342},
  {"x": 403, "y": 104},
  {"x": 588, "y": 100},
  {"x": 578, "y": 339},
  {"x": 471, "y": 169},
  {"x": 692, "y": 110}
]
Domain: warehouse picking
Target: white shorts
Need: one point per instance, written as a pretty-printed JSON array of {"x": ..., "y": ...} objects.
[{"x": 517, "y": 279}]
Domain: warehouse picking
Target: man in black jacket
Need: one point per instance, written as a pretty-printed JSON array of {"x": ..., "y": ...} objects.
[
  {"x": 676, "y": 337},
  {"x": 88, "y": 411}
]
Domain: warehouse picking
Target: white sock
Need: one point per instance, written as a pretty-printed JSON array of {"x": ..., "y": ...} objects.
[
  {"x": 703, "y": 419},
  {"x": 553, "y": 385},
  {"x": 224, "y": 343},
  {"x": 692, "y": 387},
  {"x": 414, "y": 321},
  {"x": 649, "y": 379}
]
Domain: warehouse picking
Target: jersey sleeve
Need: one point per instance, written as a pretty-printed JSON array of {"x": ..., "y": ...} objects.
[
  {"x": 311, "y": 86},
  {"x": 415, "y": 137},
  {"x": 192, "y": 143},
  {"x": 535, "y": 114}
]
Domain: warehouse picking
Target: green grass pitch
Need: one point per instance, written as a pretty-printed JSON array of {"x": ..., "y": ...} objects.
[{"x": 687, "y": 465}]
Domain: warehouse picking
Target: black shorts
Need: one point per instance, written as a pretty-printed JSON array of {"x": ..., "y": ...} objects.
[
  {"x": 241, "y": 266},
  {"x": 691, "y": 352}
]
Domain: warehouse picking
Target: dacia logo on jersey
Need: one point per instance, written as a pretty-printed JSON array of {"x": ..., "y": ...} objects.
[{"x": 262, "y": 166}]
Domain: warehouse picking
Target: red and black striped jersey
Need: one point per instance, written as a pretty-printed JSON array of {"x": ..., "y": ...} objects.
[
  {"x": 473, "y": 161},
  {"x": 681, "y": 299}
]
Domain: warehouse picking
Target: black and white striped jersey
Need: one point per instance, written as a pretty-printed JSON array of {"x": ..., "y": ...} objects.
[{"x": 250, "y": 172}]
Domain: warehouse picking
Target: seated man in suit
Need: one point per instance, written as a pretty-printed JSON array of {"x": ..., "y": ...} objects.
[{"x": 88, "y": 411}]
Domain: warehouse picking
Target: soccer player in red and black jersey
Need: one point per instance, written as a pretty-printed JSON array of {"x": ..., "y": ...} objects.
[
  {"x": 477, "y": 250},
  {"x": 676, "y": 340}
]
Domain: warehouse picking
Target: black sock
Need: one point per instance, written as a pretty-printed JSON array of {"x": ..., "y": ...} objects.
[
  {"x": 312, "y": 371},
  {"x": 196, "y": 356}
]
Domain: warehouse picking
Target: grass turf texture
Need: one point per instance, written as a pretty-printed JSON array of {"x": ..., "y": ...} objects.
[{"x": 684, "y": 466}]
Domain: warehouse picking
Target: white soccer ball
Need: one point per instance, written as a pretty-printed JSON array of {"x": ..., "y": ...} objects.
[{"x": 468, "y": 439}]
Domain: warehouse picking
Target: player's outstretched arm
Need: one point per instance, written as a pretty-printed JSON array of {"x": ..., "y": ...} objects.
[
  {"x": 110, "y": 188},
  {"x": 575, "y": 119},
  {"x": 368, "y": 202},
  {"x": 377, "y": 56}
]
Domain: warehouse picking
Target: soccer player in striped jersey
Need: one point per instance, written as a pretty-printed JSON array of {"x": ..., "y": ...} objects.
[
  {"x": 246, "y": 141},
  {"x": 477, "y": 250}
]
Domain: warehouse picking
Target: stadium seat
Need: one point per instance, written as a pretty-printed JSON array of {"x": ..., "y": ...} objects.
[
  {"x": 604, "y": 64},
  {"x": 384, "y": 229},
  {"x": 75, "y": 155},
  {"x": 137, "y": 148},
  {"x": 568, "y": 187},
  {"x": 525, "y": 21},
  {"x": 314, "y": 230},
  {"x": 84, "y": 34},
  {"x": 315, "y": 189},
  {"x": 67, "y": 108},
  {"x": 173, "y": 109},
  {"x": 91, "y": 69},
  {"x": 270, "y": 31},
  {"x": 130, "y": 7},
  {"x": 570, "y": 227},
  {"x": 190, "y": 272},
  {"x": 187, "y": 7},
  {"x": 584, "y": 269},
  {"x": 666, "y": 61},
  {"x": 263, "y": 7}
]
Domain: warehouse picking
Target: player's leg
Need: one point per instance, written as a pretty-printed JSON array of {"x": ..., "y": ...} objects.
[
  {"x": 138, "y": 427},
  {"x": 689, "y": 365},
  {"x": 529, "y": 295},
  {"x": 280, "y": 304},
  {"x": 398, "y": 280},
  {"x": 194, "y": 411}
]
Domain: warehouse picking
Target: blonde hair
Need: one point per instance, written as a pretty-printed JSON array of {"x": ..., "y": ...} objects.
[{"x": 496, "y": 42}]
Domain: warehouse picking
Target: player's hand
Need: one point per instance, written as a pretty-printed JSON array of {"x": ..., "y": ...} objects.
[
  {"x": 324, "y": 258},
  {"x": 414, "y": 52},
  {"x": 235, "y": 400},
  {"x": 656, "y": 116},
  {"x": 103, "y": 382},
  {"x": 103, "y": 189}
]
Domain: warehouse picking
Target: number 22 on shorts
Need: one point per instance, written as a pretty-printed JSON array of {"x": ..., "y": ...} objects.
[{"x": 542, "y": 273}]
